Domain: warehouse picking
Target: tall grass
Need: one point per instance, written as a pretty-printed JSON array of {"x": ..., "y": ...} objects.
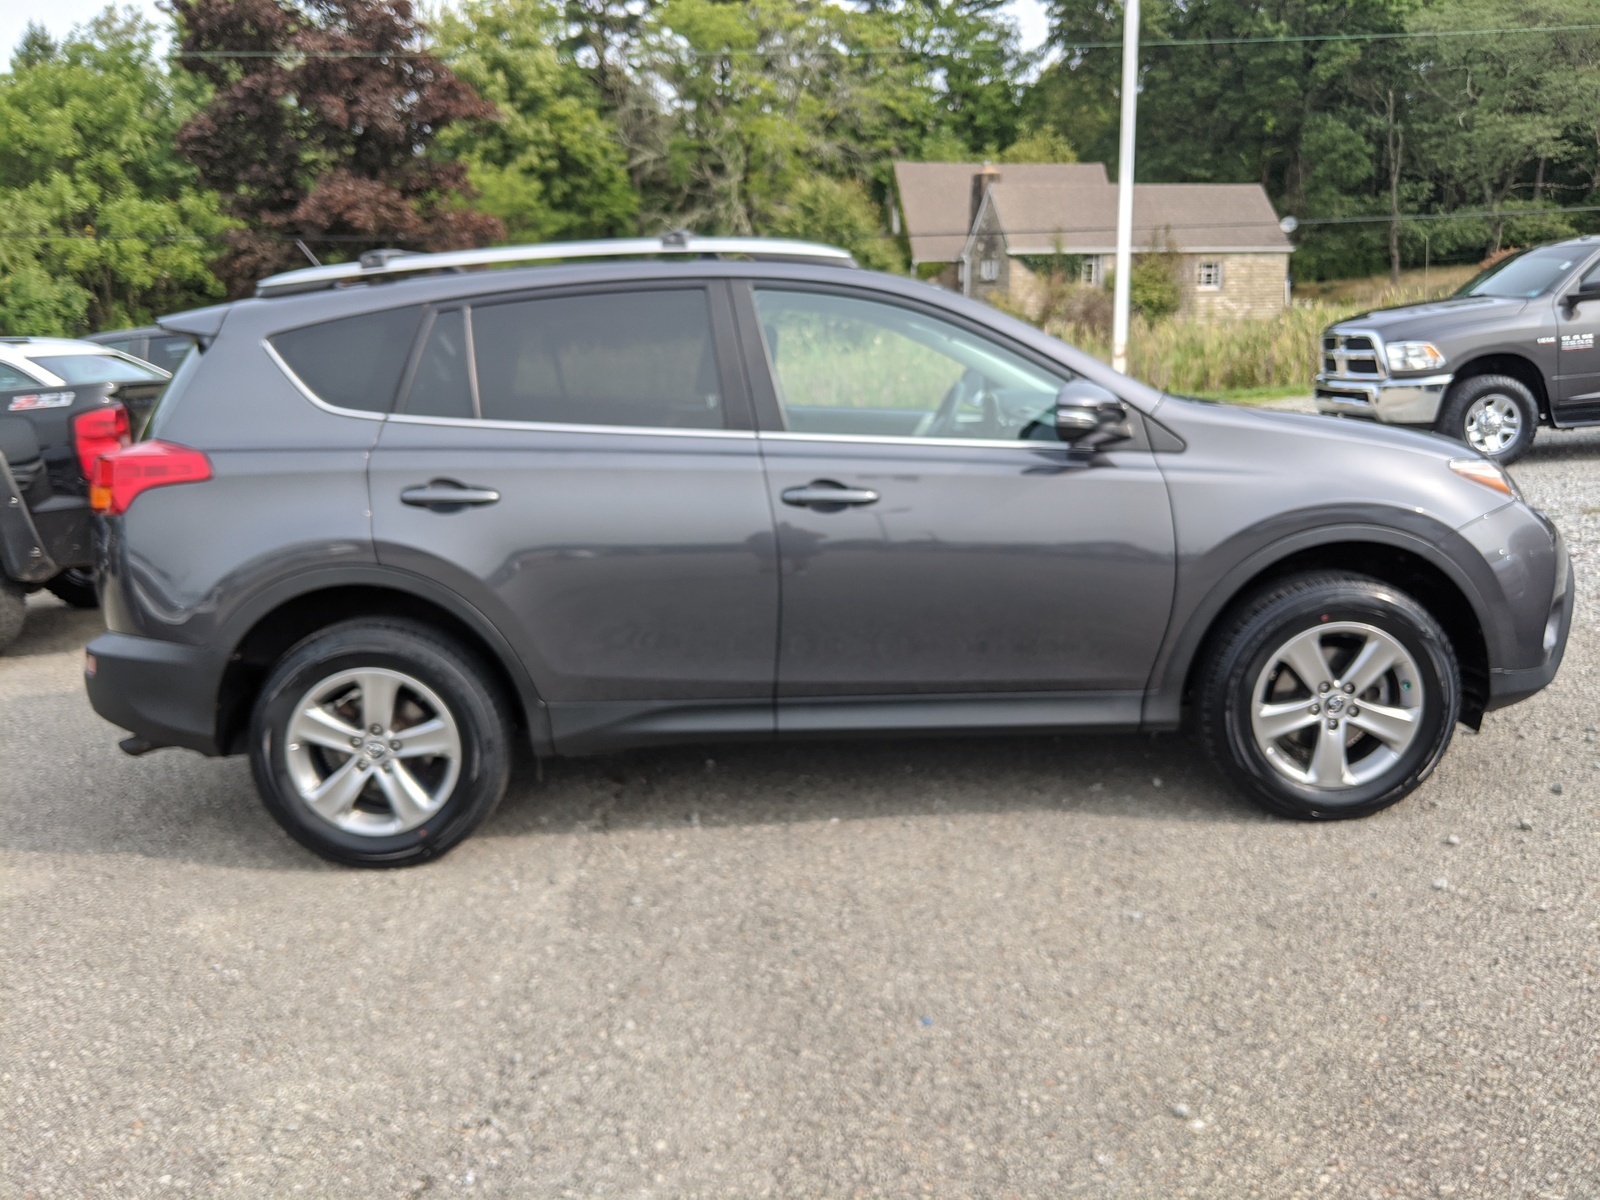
[{"x": 1213, "y": 356}]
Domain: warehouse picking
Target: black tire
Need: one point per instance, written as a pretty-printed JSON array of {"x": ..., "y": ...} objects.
[
  {"x": 458, "y": 681},
  {"x": 76, "y": 587},
  {"x": 1243, "y": 660},
  {"x": 13, "y": 611},
  {"x": 1506, "y": 394}
]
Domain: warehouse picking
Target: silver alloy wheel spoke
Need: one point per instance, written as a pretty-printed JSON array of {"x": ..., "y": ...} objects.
[
  {"x": 1305, "y": 658},
  {"x": 333, "y": 798},
  {"x": 320, "y": 727},
  {"x": 408, "y": 745},
  {"x": 1279, "y": 720},
  {"x": 1337, "y": 705},
  {"x": 379, "y": 690},
  {"x": 1330, "y": 764},
  {"x": 1493, "y": 423},
  {"x": 428, "y": 738},
  {"x": 408, "y": 798},
  {"x": 1392, "y": 726}
]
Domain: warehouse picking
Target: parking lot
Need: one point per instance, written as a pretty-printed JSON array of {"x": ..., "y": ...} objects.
[{"x": 1049, "y": 967}]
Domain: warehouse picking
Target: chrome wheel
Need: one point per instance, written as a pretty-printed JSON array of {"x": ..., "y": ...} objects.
[
  {"x": 1337, "y": 705},
  {"x": 1492, "y": 424},
  {"x": 372, "y": 751}
]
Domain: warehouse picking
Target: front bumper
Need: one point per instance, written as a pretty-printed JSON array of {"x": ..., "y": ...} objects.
[
  {"x": 1393, "y": 401},
  {"x": 163, "y": 691},
  {"x": 1507, "y": 685}
]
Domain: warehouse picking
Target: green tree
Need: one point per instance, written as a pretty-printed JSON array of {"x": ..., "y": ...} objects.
[
  {"x": 552, "y": 166},
  {"x": 101, "y": 224}
]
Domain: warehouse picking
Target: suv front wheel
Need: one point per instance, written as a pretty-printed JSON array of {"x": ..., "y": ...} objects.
[
  {"x": 1494, "y": 414},
  {"x": 1329, "y": 696},
  {"x": 379, "y": 743}
]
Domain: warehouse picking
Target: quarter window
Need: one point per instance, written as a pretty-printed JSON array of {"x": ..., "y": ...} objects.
[
  {"x": 10, "y": 377},
  {"x": 354, "y": 362},
  {"x": 1209, "y": 276},
  {"x": 852, "y": 367},
  {"x": 612, "y": 358}
]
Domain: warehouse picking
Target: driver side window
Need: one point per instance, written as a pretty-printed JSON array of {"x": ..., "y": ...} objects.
[{"x": 847, "y": 366}]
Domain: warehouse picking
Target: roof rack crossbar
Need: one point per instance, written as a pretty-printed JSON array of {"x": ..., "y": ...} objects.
[{"x": 389, "y": 264}]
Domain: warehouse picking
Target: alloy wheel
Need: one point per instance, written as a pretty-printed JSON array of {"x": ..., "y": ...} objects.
[
  {"x": 1337, "y": 705},
  {"x": 372, "y": 751},
  {"x": 1492, "y": 424}
]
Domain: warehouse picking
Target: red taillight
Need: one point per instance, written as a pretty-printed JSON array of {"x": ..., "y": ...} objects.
[
  {"x": 99, "y": 431},
  {"x": 119, "y": 477}
]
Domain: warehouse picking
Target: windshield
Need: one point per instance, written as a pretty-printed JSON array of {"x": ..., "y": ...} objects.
[
  {"x": 98, "y": 368},
  {"x": 1526, "y": 275}
]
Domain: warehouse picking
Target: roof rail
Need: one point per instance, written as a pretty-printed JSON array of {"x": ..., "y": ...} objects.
[{"x": 377, "y": 265}]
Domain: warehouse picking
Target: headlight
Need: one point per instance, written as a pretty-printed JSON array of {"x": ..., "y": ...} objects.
[
  {"x": 1491, "y": 476},
  {"x": 1413, "y": 356}
]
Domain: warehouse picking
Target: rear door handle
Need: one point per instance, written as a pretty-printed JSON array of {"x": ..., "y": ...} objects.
[
  {"x": 828, "y": 496},
  {"x": 446, "y": 495}
]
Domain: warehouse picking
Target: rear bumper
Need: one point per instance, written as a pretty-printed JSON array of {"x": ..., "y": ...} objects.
[
  {"x": 163, "y": 691},
  {"x": 1392, "y": 401}
]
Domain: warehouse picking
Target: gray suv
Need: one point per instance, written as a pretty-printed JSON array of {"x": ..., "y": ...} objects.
[{"x": 398, "y": 515}]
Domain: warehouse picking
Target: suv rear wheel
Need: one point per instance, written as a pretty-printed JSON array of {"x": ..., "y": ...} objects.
[
  {"x": 379, "y": 743},
  {"x": 1494, "y": 414},
  {"x": 1329, "y": 696}
]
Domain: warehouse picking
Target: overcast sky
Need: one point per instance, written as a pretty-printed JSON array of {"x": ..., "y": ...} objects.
[{"x": 58, "y": 16}]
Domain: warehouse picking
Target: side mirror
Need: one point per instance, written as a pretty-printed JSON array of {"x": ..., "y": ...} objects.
[{"x": 1089, "y": 417}]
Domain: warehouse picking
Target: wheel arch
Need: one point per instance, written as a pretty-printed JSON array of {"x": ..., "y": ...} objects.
[
  {"x": 278, "y": 621},
  {"x": 1517, "y": 366},
  {"x": 1383, "y": 555}
]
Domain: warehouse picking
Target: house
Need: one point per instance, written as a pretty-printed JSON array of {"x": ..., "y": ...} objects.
[{"x": 989, "y": 230}]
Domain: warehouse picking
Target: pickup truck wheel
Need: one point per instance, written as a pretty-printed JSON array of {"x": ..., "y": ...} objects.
[
  {"x": 1329, "y": 696},
  {"x": 76, "y": 587},
  {"x": 1494, "y": 414},
  {"x": 380, "y": 743},
  {"x": 13, "y": 611}
]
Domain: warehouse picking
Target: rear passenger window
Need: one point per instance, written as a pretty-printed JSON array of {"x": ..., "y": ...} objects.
[
  {"x": 614, "y": 358},
  {"x": 442, "y": 385},
  {"x": 354, "y": 362}
]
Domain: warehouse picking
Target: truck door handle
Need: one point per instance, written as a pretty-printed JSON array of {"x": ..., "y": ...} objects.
[
  {"x": 828, "y": 496},
  {"x": 446, "y": 495}
]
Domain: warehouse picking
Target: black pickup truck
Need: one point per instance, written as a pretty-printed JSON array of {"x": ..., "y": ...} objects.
[
  {"x": 49, "y": 439},
  {"x": 1513, "y": 349}
]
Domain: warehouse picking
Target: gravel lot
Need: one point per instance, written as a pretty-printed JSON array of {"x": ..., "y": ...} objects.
[{"x": 1071, "y": 967}]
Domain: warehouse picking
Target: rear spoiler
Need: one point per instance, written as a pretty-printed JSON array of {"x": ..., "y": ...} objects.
[{"x": 202, "y": 324}]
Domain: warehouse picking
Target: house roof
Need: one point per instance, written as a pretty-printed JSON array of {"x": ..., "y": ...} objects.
[
  {"x": 1188, "y": 217},
  {"x": 1074, "y": 204},
  {"x": 936, "y": 198}
]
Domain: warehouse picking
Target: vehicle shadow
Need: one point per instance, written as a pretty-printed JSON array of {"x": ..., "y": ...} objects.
[
  {"x": 181, "y": 807},
  {"x": 1165, "y": 778},
  {"x": 1560, "y": 445},
  {"x": 53, "y": 627}
]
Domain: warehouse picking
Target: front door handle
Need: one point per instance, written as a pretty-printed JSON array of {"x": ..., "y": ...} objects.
[
  {"x": 446, "y": 495},
  {"x": 828, "y": 496}
]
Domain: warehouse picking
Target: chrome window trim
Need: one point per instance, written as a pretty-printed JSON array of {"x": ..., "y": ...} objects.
[
  {"x": 300, "y": 386},
  {"x": 558, "y": 427},
  {"x": 874, "y": 439}
]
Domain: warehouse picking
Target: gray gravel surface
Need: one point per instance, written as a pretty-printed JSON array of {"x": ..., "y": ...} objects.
[{"x": 1069, "y": 967}]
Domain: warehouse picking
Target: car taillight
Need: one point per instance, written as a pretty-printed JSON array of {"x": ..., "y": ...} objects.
[
  {"x": 119, "y": 477},
  {"x": 99, "y": 431}
]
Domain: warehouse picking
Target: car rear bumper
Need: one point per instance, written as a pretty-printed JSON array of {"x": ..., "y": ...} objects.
[
  {"x": 1392, "y": 401},
  {"x": 164, "y": 692}
]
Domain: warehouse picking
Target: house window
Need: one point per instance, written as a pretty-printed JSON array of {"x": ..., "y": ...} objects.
[
  {"x": 989, "y": 270},
  {"x": 1089, "y": 271},
  {"x": 1210, "y": 276}
]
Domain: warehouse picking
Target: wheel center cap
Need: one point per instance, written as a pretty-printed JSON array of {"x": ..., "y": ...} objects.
[
  {"x": 1335, "y": 705},
  {"x": 376, "y": 750}
]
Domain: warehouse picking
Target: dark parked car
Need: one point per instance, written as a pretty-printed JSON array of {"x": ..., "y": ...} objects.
[
  {"x": 151, "y": 343},
  {"x": 1512, "y": 350},
  {"x": 399, "y": 514},
  {"x": 50, "y": 437}
]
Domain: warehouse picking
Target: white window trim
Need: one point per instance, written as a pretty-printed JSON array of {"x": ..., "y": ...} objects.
[
  {"x": 1215, "y": 285},
  {"x": 989, "y": 269},
  {"x": 1089, "y": 271}
]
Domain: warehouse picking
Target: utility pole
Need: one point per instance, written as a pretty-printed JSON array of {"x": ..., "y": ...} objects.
[{"x": 1130, "y": 89}]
